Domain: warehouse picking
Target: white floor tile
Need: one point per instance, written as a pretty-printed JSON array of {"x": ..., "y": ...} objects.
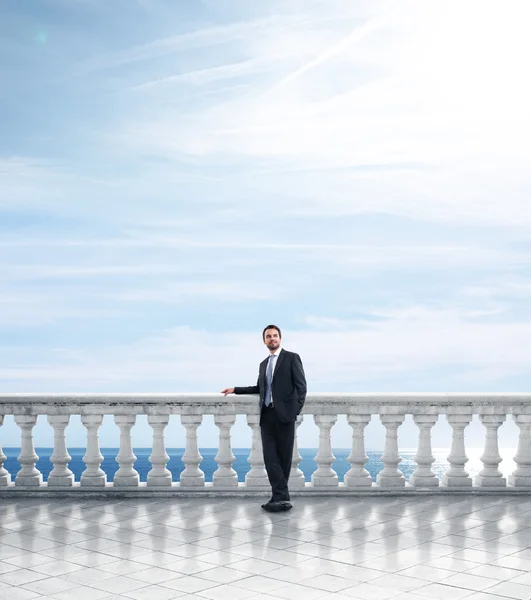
[
  {"x": 15, "y": 593},
  {"x": 511, "y": 590},
  {"x": 259, "y": 584},
  {"x": 467, "y": 581}
]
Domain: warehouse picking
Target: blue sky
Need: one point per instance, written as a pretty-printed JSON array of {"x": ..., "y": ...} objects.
[{"x": 176, "y": 175}]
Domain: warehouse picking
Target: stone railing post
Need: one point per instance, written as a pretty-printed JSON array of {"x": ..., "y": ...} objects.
[
  {"x": 423, "y": 476},
  {"x": 28, "y": 475},
  {"x": 257, "y": 476},
  {"x": 358, "y": 476},
  {"x": 456, "y": 476},
  {"x": 490, "y": 475},
  {"x": 521, "y": 476},
  {"x": 60, "y": 476},
  {"x": 297, "y": 480},
  {"x": 390, "y": 476},
  {"x": 159, "y": 475},
  {"x": 324, "y": 475},
  {"x": 225, "y": 475},
  {"x": 126, "y": 474},
  {"x": 192, "y": 476},
  {"x": 5, "y": 477},
  {"x": 93, "y": 475}
]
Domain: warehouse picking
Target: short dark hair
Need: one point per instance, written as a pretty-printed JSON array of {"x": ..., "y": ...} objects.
[{"x": 271, "y": 327}]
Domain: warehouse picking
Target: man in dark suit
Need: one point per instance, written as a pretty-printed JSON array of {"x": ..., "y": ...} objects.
[{"x": 282, "y": 388}]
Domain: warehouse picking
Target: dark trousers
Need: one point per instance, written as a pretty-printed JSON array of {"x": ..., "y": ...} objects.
[{"x": 277, "y": 444}]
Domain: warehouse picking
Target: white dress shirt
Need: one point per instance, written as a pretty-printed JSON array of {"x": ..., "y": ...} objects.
[{"x": 275, "y": 354}]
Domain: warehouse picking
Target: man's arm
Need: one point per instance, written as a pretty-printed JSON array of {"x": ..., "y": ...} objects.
[
  {"x": 299, "y": 380},
  {"x": 251, "y": 389}
]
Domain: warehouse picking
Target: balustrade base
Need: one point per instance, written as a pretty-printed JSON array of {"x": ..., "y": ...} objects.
[
  {"x": 209, "y": 491},
  {"x": 226, "y": 481},
  {"x": 456, "y": 482},
  {"x": 5, "y": 480},
  {"x": 423, "y": 481},
  {"x": 29, "y": 480},
  {"x": 490, "y": 482},
  {"x": 297, "y": 483},
  {"x": 128, "y": 481},
  {"x": 159, "y": 482},
  {"x": 193, "y": 482},
  {"x": 95, "y": 482},
  {"x": 61, "y": 482},
  {"x": 258, "y": 483},
  {"x": 326, "y": 482},
  {"x": 519, "y": 481},
  {"x": 358, "y": 481},
  {"x": 390, "y": 481}
]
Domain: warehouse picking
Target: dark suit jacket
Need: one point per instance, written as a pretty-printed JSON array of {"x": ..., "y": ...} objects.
[{"x": 288, "y": 386}]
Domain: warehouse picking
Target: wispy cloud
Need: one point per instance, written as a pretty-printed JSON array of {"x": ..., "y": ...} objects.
[
  {"x": 356, "y": 35},
  {"x": 205, "y": 37},
  {"x": 211, "y": 74}
]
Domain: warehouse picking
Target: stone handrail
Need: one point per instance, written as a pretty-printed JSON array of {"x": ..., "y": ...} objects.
[{"x": 459, "y": 408}]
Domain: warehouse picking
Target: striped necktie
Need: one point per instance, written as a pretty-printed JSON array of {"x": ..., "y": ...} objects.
[{"x": 269, "y": 379}]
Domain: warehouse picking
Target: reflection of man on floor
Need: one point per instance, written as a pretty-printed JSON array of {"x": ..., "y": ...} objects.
[{"x": 282, "y": 388}]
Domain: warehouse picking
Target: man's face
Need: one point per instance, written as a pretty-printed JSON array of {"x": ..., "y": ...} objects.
[{"x": 271, "y": 339}]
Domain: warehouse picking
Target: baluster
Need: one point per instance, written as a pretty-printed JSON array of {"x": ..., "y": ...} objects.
[
  {"x": 257, "y": 476},
  {"x": 324, "y": 475},
  {"x": 126, "y": 474},
  {"x": 93, "y": 475},
  {"x": 490, "y": 475},
  {"x": 159, "y": 475},
  {"x": 358, "y": 476},
  {"x": 225, "y": 475},
  {"x": 391, "y": 476},
  {"x": 456, "y": 476},
  {"x": 60, "y": 476},
  {"x": 29, "y": 474},
  {"x": 5, "y": 477},
  {"x": 297, "y": 480},
  {"x": 521, "y": 476},
  {"x": 192, "y": 475},
  {"x": 423, "y": 475}
]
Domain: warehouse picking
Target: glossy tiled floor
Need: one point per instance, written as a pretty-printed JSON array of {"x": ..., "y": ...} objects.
[{"x": 371, "y": 548}]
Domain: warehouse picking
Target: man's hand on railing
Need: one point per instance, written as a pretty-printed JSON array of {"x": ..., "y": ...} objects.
[{"x": 227, "y": 391}]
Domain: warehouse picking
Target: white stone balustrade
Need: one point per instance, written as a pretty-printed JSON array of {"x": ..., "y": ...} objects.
[
  {"x": 358, "y": 476},
  {"x": 192, "y": 475},
  {"x": 297, "y": 480},
  {"x": 490, "y": 475},
  {"x": 257, "y": 476},
  {"x": 159, "y": 476},
  {"x": 93, "y": 475},
  {"x": 521, "y": 477},
  {"x": 456, "y": 476},
  {"x": 60, "y": 476},
  {"x": 391, "y": 476},
  {"x": 225, "y": 475},
  {"x": 391, "y": 410},
  {"x": 5, "y": 477},
  {"x": 126, "y": 474},
  {"x": 325, "y": 476},
  {"x": 423, "y": 476},
  {"x": 28, "y": 475}
]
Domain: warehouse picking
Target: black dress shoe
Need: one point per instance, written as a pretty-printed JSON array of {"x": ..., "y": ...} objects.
[{"x": 277, "y": 506}]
